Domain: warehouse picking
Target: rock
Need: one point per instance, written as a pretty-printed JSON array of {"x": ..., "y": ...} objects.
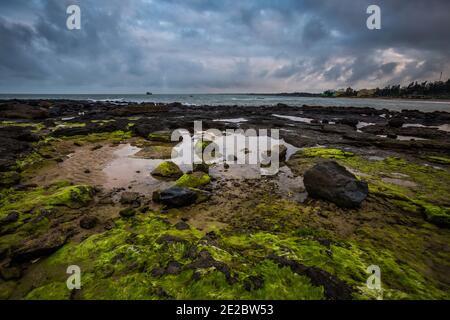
[
  {"x": 201, "y": 167},
  {"x": 175, "y": 197},
  {"x": 88, "y": 222},
  {"x": 193, "y": 180},
  {"x": 132, "y": 198},
  {"x": 391, "y": 136},
  {"x": 332, "y": 182},
  {"x": 253, "y": 283},
  {"x": 10, "y": 273},
  {"x": 349, "y": 122},
  {"x": 169, "y": 239},
  {"x": 9, "y": 179},
  {"x": 173, "y": 267},
  {"x": 334, "y": 288},
  {"x": 128, "y": 212},
  {"x": 396, "y": 123},
  {"x": 160, "y": 136},
  {"x": 182, "y": 226},
  {"x": 167, "y": 169},
  {"x": 10, "y": 218},
  {"x": 39, "y": 247}
]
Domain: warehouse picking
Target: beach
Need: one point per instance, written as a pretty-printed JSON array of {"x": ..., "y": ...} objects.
[{"x": 87, "y": 182}]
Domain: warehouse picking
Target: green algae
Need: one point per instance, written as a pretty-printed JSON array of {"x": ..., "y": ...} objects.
[
  {"x": 167, "y": 169},
  {"x": 193, "y": 180},
  {"x": 326, "y": 153},
  {"x": 439, "y": 160},
  {"x": 160, "y": 136}
]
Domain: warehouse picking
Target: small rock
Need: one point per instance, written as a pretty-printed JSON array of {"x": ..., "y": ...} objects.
[
  {"x": 10, "y": 218},
  {"x": 127, "y": 213},
  {"x": 182, "y": 226},
  {"x": 174, "y": 267},
  {"x": 88, "y": 222},
  {"x": 132, "y": 198},
  {"x": 175, "y": 197},
  {"x": 396, "y": 123}
]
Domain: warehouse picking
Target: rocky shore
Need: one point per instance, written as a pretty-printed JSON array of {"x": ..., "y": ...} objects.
[{"x": 90, "y": 184}]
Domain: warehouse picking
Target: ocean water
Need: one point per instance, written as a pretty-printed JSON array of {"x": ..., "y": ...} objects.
[{"x": 246, "y": 100}]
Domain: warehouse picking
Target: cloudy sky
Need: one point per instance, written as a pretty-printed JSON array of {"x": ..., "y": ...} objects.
[{"x": 180, "y": 46}]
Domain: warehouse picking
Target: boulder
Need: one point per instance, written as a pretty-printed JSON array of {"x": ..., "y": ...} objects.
[
  {"x": 332, "y": 182},
  {"x": 167, "y": 169},
  {"x": 176, "y": 197},
  {"x": 396, "y": 123}
]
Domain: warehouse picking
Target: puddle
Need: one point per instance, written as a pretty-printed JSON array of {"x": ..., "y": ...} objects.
[
  {"x": 128, "y": 171},
  {"x": 443, "y": 127},
  {"x": 409, "y": 138},
  {"x": 236, "y": 120},
  {"x": 292, "y": 118},
  {"x": 291, "y": 186},
  {"x": 362, "y": 124}
]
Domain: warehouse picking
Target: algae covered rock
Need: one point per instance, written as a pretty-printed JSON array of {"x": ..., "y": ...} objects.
[
  {"x": 167, "y": 169},
  {"x": 160, "y": 136},
  {"x": 175, "y": 197},
  {"x": 128, "y": 212},
  {"x": 332, "y": 182},
  {"x": 74, "y": 197},
  {"x": 193, "y": 180}
]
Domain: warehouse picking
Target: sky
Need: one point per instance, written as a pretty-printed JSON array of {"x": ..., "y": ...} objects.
[{"x": 219, "y": 46}]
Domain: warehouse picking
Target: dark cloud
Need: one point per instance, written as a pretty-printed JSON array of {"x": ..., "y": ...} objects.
[{"x": 219, "y": 46}]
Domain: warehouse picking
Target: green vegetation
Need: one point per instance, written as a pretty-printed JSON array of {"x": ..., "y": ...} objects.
[
  {"x": 167, "y": 169},
  {"x": 193, "y": 180}
]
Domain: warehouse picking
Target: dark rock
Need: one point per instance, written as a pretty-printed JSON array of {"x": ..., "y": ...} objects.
[
  {"x": 182, "y": 226},
  {"x": 10, "y": 218},
  {"x": 132, "y": 198},
  {"x": 10, "y": 273},
  {"x": 396, "y": 123},
  {"x": 128, "y": 212},
  {"x": 334, "y": 288},
  {"x": 349, "y": 122},
  {"x": 332, "y": 182},
  {"x": 253, "y": 283},
  {"x": 175, "y": 197},
  {"x": 205, "y": 261},
  {"x": 39, "y": 247},
  {"x": 173, "y": 267},
  {"x": 169, "y": 239},
  {"x": 391, "y": 136},
  {"x": 88, "y": 222}
]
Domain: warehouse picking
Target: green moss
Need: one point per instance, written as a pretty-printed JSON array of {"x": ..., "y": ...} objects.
[
  {"x": 440, "y": 160},
  {"x": 9, "y": 178},
  {"x": 115, "y": 136},
  {"x": 160, "y": 136},
  {"x": 73, "y": 197},
  {"x": 326, "y": 153},
  {"x": 193, "y": 180},
  {"x": 167, "y": 169},
  {"x": 51, "y": 291},
  {"x": 57, "y": 195}
]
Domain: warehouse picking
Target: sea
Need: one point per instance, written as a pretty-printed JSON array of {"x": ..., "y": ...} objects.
[{"x": 248, "y": 100}]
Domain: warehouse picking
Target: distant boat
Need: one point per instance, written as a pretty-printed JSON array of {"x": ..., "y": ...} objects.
[{"x": 149, "y": 93}]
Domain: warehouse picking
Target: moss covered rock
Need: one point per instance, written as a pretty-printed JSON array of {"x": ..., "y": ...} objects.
[
  {"x": 193, "y": 180},
  {"x": 167, "y": 169},
  {"x": 160, "y": 136}
]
